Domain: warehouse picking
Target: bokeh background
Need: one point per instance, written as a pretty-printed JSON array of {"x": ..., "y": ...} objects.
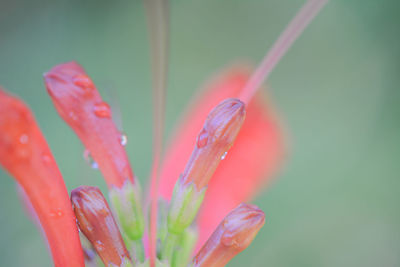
[{"x": 335, "y": 202}]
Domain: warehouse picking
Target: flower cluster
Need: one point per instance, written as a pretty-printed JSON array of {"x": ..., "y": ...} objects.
[
  {"x": 201, "y": 218},
  {"x": 118, "y": 240}
]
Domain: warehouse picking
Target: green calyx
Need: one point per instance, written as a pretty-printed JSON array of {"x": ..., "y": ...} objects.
[
  {"x": 127, "y": 206},
  {"x": 185, "y": 203},
  {"x": 185, "y": 247}
]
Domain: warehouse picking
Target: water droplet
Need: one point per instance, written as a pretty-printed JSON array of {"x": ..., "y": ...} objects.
[
  {"x": 73, "y": 116},
  {"x": 89, "y": 159},
  {"x": 46, "y": 158},
  {"x": 94, "y": 165},
  {"x": 202, "y": 139},
  {"x": 23, "y": 139},
  {"x": 22, "y": 149},
  {"x": 102, "y": 110},
  {"x": 56, "y": 213},
  {"x": 99, "y": 245},
  {"x": 224, "y": 155},
  {"x": 83, "y": 81},
  {"x": 123, "y": 139}
]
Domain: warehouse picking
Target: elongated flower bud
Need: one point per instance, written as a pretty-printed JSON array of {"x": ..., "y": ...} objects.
[
  {"x": 234, "y": 234},
  {"x": 214, "y": 140},
  {"x": 97, "y": 223},
  {"x": 217, "y": 136},
  {"x": 24, "y": 153},
  {"x": 80, "y": 105}
]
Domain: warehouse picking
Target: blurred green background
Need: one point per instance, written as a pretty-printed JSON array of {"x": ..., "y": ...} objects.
[{"x": 336, "y": 201}]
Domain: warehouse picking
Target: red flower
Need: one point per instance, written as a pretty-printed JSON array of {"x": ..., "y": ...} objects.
[{"x": 25, "y": 154}]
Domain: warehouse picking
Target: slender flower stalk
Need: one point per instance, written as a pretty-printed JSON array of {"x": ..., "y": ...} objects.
[
  {"x": 298, "y": 24},
  {"x": 97, "y": 223},
  {"x": 25, "y": 154},
  {"x": 158, "y": 25},
  {"x": 234, "y": 234}
]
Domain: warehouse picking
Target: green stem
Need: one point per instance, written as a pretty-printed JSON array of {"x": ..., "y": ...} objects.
[
  {"x": 169, "y": 246},
  {"x": 139, "y": 250}
]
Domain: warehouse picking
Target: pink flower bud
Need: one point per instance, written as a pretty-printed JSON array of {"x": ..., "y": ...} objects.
[
  {"x": 234, "y": 234},
  {"x": 80, "y": 105},
  {"x": 97, "y": 223},
  {"x": 214, "y": 140}
]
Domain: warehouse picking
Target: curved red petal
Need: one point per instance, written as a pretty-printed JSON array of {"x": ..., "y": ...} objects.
[
  {"x": 80, "y": 105},
  {"x": 249, "y": 164},
  {"x": 25, "y": 154}
]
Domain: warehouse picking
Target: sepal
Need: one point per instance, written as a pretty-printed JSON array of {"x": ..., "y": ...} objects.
[
  {"x": 127, "y": 206},
  {"x": 185, "y": 203}
]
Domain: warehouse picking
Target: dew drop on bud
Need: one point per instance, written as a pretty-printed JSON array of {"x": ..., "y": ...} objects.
[
  {"x": 46, "y": 158},
  {"x": 94, "y": 165},
  {"x": 99, "y": 245},
  {"x": 88, "y": 158},
  {"x": 202, "y": 139},
  {"x": 23, "y": 139},
  {"x": 83, "y": 81},
  {"x": 123, "y": 139},
  {"x": 224, "y": 155},
  {"x": 56, "y": 213},
  {"x": 102, "y": 110},
  {"x": 73, "y": 116}
]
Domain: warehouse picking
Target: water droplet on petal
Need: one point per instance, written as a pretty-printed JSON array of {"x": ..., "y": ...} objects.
[
  {"x": 99, "y": 245},
  {"x": 89, "y": 159},
  {"x": 46, "y": 158},
  {"x": 123, "y": 139},
  {"x": 22, "y": 149},
  {"x": 56, "y": 213},
  {"x": 202, "y": 139},
  {"x": 84, "y": 82},
  {"x": 224, "y": 155},
  {"x": 23, "y": 139},
  {"x": 73, "y": 116},
  {"x": 102, "y": 110},
  {"x": 94, "y": 165}
]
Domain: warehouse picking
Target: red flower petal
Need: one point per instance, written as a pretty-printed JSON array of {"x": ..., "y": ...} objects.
[
  {"x": 79, "y": 103},
  {"x": 25, "y": 154},
  {"x": 249, "y": 164}
]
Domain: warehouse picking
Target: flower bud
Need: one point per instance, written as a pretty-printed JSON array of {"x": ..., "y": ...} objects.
[
  {"x": 214, "y": 140},
  {"x": 81, "y": 106},
  {"x": 234, "y": 234},
  {"x": 97, "y": 223},
  {"x": 217, "y": 136}
]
